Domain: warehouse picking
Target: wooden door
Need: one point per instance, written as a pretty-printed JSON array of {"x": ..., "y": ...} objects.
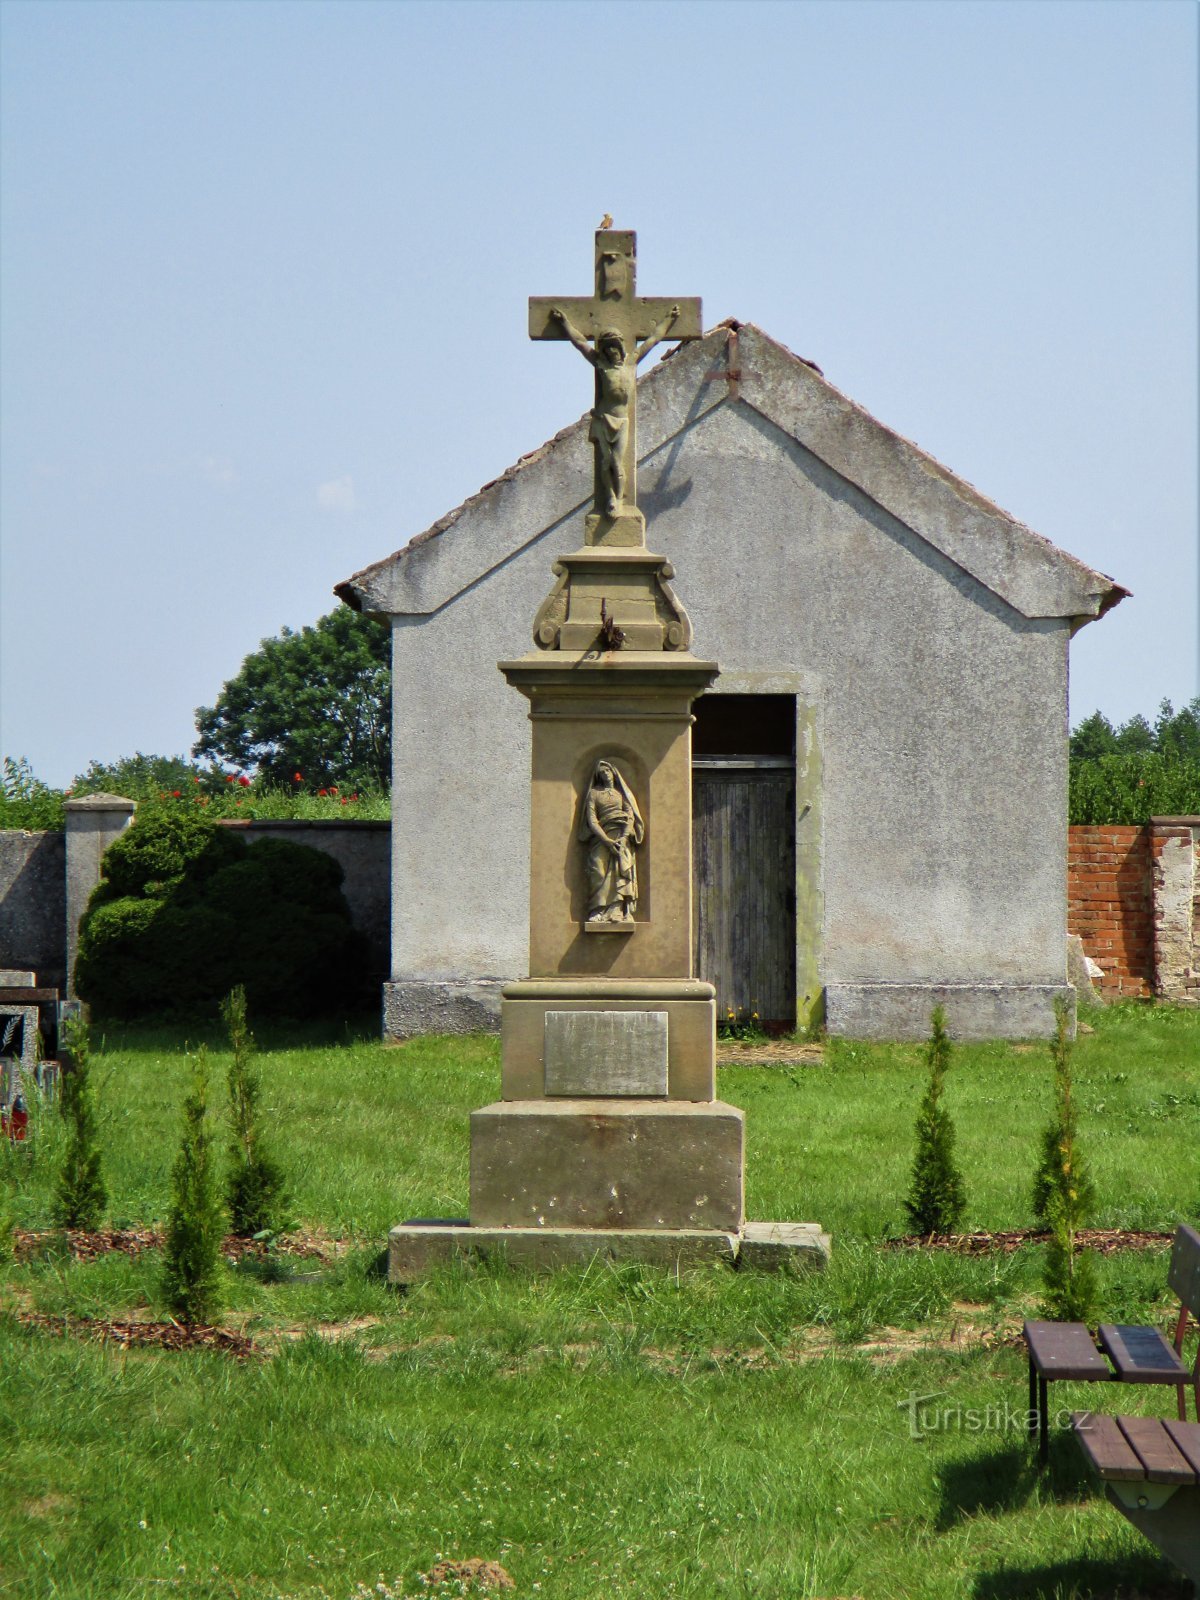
[{"x": 744, "y": 884}]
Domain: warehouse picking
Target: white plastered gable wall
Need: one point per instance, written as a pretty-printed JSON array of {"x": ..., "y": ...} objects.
[{"x": 923, "y": 631}]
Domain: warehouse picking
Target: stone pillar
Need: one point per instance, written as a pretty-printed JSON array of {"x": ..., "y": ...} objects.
[
  {"x": 92, "y": 823},
  {"x": 1175, "y": 878}
]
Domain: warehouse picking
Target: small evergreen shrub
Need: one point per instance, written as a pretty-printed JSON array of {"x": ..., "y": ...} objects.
[
  {"x": 1064, "y": 1196},
  {"x": 937, "y": 1195},
  {"x": 196, "y": 1222},
  {"x": 254, "y": 1188},
  {"x": 80, "y": 1195},
  {"x": 186, "y": 910}
]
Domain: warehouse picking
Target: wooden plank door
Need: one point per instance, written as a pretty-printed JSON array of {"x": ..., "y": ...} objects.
[{"x": 744, "y": 885}]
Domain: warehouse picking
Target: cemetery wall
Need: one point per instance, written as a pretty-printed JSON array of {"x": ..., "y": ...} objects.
[
  {"x": 33, "y": 903},
  {"x": 33, "y": 888},
  {"x": 1133, "y": 897}
]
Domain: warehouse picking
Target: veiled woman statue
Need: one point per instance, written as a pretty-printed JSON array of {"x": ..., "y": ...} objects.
[{"x": 610, "y": 827}]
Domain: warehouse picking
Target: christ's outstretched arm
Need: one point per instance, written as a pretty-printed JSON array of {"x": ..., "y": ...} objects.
[
  {"x": 657, "y": 336},
  {"x": 572, "y": 333}
]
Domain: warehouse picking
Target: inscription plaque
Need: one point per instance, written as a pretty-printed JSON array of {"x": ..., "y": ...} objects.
[{"x": 595, "y": 1054}]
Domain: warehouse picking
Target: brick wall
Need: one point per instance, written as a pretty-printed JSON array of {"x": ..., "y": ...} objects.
[
  {"x": 1133, "y": 897},
  {"x": 1110, "y": 904}
]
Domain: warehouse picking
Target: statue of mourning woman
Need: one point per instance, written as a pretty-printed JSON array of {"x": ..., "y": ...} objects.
[{"x": 610, "y": 828}]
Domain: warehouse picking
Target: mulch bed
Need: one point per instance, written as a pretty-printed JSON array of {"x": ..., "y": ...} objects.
[
  {"x": 157, "y": 1335},
  {"x": 473, "y": 1572},
  {"x": 771, "y": 1053},
  {"x": 89, "y": 1245},
  {"x": 1105, "y": 1241}
]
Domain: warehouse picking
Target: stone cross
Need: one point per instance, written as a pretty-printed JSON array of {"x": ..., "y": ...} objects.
[{"x": 614, "y": 330}]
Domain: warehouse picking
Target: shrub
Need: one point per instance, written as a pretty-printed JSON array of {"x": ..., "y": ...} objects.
[
  {"x": 1063, "y": 1195},
  {"x": 139, "y": 777},
  {"x": 27, "y": 802},
  {"x": 1132, "y": 788},
  {"x": 937, "y": 1194},
  {"x": 186, "y": 910},
  {"x": 80, "y": 1195},
  {"x": 196, "y": 1222},
  {"x": 167, "y": 848},
  {"x": 254, "y": 1189}
]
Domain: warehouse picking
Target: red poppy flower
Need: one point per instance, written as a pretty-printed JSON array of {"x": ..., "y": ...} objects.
[
  {"x": 245, "y": 782},
  {"x": 195, "y": 780},
  {"x": 322, "y": 791},
  {"x": 229, "y": 778},
  {"x": 176, "y": 794},
  {"x": 297, "y": 778},
  {"x": 334, "y": 789}
]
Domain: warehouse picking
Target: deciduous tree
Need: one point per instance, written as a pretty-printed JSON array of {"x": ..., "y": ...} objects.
[{"x": 315, "y": 702}]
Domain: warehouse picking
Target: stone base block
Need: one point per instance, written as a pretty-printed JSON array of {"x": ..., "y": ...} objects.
[
  {"x": 608, "y": 1164},
  {"x": 783, "y": 1247},
  {"x": 411, "y": 1008},
  {"x": 688, "y": 1007},
  {"x": 973, "y": 1010},
  {"x": 415, "y": 1248}
]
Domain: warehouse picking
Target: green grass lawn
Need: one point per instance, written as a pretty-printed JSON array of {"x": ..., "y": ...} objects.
[{"x": 609, "y": 1431}]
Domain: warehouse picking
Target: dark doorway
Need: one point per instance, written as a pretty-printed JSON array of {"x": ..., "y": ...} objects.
[{"x": 744, "y": 853}]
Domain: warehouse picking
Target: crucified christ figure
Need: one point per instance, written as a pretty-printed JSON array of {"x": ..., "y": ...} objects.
[{"x": 616, "y": 393}]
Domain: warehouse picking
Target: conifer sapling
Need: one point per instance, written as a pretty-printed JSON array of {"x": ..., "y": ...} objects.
[
  {"x": 937, "y": 1194},
  {"x": 254, "y": 1188},
  {"x": 1063, "y": 1195},
  {"x": 196, "y": 1223},
  {"x": 79, "y": 1195}
]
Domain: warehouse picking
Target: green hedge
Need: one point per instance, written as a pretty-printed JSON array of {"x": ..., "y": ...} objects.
[
  {"x": 1133, "y": 788},
  {"x": 186, "y": 910}
]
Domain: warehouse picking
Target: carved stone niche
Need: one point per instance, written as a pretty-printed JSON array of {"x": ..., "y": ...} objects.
[{"x": 609, "y": 832}]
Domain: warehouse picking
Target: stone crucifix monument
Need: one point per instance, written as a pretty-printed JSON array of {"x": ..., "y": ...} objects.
[{"x": 608, "y": 1136}]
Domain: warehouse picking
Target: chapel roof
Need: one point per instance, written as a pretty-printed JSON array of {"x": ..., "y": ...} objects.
[{"x": 547, "y": 486}]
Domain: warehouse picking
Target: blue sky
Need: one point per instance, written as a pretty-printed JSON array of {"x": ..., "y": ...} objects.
[{"x": 265, "y": 268}]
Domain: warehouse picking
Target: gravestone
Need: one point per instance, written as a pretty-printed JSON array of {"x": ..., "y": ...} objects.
[{"x": 608, "y": 1136}]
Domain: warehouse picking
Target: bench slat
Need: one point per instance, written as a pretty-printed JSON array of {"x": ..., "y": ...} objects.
[
  {"x": 1183, "y": 1273},
  {"x": 1156, "y": 1450},
  {"x": 1141, "y": 1355},
  {"x": 1106, "y": 1447},
  {"x": 1186, "y": 1438},
  {"x": 1065, "y": 1350}
]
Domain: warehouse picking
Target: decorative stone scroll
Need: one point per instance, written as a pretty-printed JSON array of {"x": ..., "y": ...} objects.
[{"x": 610, "y": 830}]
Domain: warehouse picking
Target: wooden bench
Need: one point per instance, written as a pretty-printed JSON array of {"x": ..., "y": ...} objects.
[
  {"x": 1150, "y": 1469},
  {"x": 1065, "y": 1351}
]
